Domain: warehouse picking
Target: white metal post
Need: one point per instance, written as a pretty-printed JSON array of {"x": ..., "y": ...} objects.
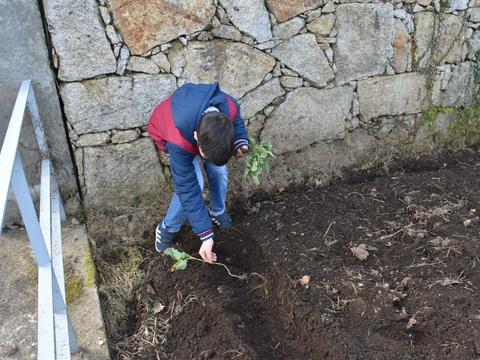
[
  {"x": 45, "y": 277},
  {"x": 37, "y": 124},
  {"x": 63, "y": 216},
  {"x": 65, "y": 338},
  {"x": 46, "y": 333},
  {"x": 29, "y": 214},
  {"x": 10, "y": 145},
  {"x": 56, "y": 339}
]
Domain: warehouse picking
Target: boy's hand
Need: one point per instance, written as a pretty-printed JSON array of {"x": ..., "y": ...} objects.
[
  {"x": 206, "y": 251},
  {"x": 241, "y": 151}
]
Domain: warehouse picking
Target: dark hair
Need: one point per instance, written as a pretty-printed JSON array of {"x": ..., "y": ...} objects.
[{"x": 215, "y": 137}]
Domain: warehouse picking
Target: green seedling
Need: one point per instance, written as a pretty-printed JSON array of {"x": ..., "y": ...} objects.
[
  {"x": 257, "y": 159},
  {"x": 183, "y": 258}
]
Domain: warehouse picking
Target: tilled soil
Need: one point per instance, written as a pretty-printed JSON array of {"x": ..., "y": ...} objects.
[{"x": 414, "y": 296}]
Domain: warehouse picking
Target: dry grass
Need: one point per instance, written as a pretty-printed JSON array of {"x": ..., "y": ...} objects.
[
  {"x": 383, "y": 152},
  {"x": 120, "y": 271},
  {"x": 150, "y": 337}
]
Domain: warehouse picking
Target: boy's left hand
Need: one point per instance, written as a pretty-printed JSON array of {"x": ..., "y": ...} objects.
[{"x": 241, "y": 151}]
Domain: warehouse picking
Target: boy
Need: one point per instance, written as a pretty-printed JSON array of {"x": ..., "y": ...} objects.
[{"x": 197, "y": 120}]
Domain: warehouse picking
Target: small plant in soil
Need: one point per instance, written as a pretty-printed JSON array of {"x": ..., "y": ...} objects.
[
  {"x": 257, "y": 159},
  {"x": 182, "y": 259}
]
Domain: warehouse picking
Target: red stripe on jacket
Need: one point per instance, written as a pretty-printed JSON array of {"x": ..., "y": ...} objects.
[
  {"x": 232, "y": 108},
  {"x": 162, "y": 129}
]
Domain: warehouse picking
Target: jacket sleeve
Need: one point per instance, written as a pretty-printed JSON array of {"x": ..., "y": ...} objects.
[
  {"x": 241, "y": 134},
  {"x": 189, "y": 192},
  {"x": 154, "y": 128}
]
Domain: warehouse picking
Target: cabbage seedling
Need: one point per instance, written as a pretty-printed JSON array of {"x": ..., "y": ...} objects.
[
  {"x": 182, "y": 259},
  {"x": 257, "y": 159}
]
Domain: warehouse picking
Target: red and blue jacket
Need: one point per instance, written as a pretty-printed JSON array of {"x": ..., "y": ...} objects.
[{"x": 171, "y": 126}]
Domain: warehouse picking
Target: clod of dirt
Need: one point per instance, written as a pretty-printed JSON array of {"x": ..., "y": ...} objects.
[
  {"x": 359, "y": 307},
  {"x": 150, "y": 289},
  {"x": 361, "y": 251},
  {"x": 449, "y": 281},
  {"x": 304, "y": 281},
  {"x": 411, "y": 322},
  {"x": 208, "y": 354},
  {"x": 439, "y": 242},
  {"x": 158, "y": 307}
]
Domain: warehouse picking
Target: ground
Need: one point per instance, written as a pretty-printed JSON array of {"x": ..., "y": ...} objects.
[
  {"x": 382, "y": 264},
  {"x": 18, "y": 295}
]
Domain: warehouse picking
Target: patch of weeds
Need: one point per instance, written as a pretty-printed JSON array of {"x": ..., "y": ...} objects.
[
  {"x": 89, "y": 267},
  {"x": 430, "y": 115},
  {"x": 28, "y": 270},
  {"x": 74, "y": 287},
  {"x": 383, "y": 152},
  {"x": 81, "y": 214},
  {"x": 119, "y": 271},
  {"x": 137, "y": 200},
  {"x": 463, "y": 132},
  {"x": 152, "y": 333},
  {"x": 443, "y": 5}
]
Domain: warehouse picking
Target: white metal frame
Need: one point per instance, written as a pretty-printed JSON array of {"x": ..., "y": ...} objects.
[{"x": 56, "y": 339}]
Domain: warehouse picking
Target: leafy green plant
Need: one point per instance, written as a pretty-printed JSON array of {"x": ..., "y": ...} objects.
[
  {"x": 182, "y": 259},
  {"x": 257, "y": 159}
]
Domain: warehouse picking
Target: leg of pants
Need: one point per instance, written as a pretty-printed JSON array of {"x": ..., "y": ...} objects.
[
  {"x": 175, "y": 216},
  {"x": 217, "y": 187}
]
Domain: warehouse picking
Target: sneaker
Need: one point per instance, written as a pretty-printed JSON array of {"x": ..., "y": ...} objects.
[
  {"x": 163, "y": 239},
  {"x": 223, "y": 220}
]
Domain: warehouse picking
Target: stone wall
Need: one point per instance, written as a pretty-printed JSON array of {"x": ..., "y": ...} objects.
[
  {"x": 322, "y": 80},
  {"x": 24, "y": 55}
]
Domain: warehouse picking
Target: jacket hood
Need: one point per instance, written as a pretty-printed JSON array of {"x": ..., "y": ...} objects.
[{"x": 189, "y": 103}]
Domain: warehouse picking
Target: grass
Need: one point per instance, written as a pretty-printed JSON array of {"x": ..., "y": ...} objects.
[
  {"x": 152, "y": 332},
  {"x": 74, "y": 287},
  {"x": 120, "y": 271},
  {"x": 89, "y": 267},
  {"x": 76, "y": 283},
  {"x": 383, "y": 152},
  {"x": 463, "y": 132}
]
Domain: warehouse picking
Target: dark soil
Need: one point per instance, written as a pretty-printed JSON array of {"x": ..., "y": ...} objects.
[{"x": 416, "y": 296}]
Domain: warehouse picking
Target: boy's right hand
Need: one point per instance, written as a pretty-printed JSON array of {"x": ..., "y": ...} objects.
[
  {"x": 206, "y": 251},
  {"x": 241, "y": 151}
]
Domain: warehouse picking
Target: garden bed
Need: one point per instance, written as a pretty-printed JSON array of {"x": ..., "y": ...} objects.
[{"x": 311, "y": 293}]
